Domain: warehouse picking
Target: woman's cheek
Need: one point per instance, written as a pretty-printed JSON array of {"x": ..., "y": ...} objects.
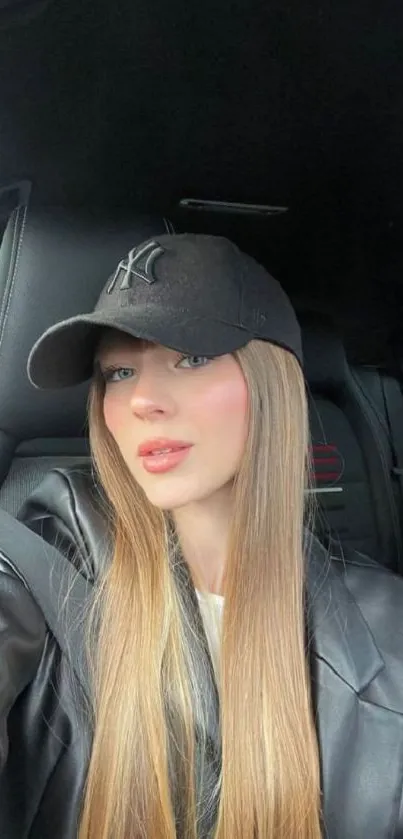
[
  {"x": 223, "y": 408},
  {"x": 113, "y": 417}
]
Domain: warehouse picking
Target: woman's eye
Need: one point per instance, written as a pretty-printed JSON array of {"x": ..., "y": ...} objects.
[
  {"x": 194, "y": 358},
  {"x": 117, "y": 374}
]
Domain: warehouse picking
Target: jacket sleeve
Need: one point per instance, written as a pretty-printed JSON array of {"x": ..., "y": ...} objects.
[
  {"x": 22, "y": 638},
  {"x": 54, "y": 512},
  {"x": 65, "y": 510}
]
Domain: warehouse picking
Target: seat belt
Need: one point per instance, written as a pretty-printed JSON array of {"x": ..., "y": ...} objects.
[{"x": 60, "y": 591}]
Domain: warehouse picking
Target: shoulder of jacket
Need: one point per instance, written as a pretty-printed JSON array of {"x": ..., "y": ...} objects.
[
  {"x": 372, "y": 585},
  {"x": 358, "y": 571},
  {"x": 358, "y": 579},
  {"x": 68, "y": 509}
]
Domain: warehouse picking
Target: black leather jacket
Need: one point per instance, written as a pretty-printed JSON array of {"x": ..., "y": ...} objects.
[{"x": 356, "y": 619}]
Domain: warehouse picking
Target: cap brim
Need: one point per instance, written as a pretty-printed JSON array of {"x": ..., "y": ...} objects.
[{"x": 64, "y": 355}]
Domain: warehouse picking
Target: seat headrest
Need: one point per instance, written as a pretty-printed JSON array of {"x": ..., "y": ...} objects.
[
  {"x": 53, "y": 264},
  {"x": 325, "y": 363}
]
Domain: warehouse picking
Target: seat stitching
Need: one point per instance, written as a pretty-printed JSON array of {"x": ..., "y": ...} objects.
[
  {"x": 169, "y": 227},
  {"x": 4, "y": 301},
  {"x": 15, "y": 271}
]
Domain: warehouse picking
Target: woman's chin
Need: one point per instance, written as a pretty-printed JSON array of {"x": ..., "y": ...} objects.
[{"x": 170, "y": 498}]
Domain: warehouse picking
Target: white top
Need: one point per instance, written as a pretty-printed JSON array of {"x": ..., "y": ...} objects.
[{"x": 211, "y": 606}]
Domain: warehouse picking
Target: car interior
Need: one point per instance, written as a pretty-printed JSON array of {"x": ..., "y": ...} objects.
[{"x": 277, "y": 126}]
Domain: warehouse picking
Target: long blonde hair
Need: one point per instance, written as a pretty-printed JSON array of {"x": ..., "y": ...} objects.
[{"x": 269, "y": 783}]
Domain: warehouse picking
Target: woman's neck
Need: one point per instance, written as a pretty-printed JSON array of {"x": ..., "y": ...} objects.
[{"x": 203, "y": 529}]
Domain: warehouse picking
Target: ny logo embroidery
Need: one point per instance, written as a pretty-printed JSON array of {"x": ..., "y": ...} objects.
[{"x": 139, "y": 263}]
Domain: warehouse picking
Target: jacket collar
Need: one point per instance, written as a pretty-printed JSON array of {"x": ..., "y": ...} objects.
[{"x": 337, "y": 630}]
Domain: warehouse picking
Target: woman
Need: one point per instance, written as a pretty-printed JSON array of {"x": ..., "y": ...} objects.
[{"x": 243, "y": 685}]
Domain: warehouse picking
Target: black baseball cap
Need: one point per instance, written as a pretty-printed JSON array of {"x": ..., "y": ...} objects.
[{"x": 194, "y": 293}]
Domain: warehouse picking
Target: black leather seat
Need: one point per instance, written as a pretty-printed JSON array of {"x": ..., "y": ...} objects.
[
  {"x": 53, "y": 264},
  {"x": 352, "y": 458}
]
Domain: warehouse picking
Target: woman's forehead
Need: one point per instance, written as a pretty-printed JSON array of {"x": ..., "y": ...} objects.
[{"x": 115, "y": 339}]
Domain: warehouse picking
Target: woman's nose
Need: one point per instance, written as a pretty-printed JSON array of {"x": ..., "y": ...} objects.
[{"x": 150, "y": 398}]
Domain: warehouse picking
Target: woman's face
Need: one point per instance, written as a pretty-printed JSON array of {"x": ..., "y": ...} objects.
[{"x": 155, "y": 396}]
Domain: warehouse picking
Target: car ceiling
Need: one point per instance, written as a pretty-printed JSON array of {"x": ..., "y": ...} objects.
[{"x": 136, "y": 104}]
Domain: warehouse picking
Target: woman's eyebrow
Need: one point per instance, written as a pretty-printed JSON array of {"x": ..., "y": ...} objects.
[
  {"x": 137, "y": 347},
  {"x": 106, "y": 356}
]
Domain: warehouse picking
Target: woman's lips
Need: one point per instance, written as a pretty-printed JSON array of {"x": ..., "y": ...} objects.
[{"x": 165, "y": 461}]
